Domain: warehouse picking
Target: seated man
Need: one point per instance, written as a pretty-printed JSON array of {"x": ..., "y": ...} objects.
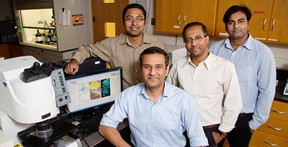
[{"x": 158, "y": 112}]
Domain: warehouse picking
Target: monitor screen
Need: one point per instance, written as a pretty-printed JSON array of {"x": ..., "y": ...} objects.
[{"x": 94, "y": 89}]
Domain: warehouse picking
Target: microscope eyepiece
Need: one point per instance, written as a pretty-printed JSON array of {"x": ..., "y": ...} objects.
[{"x": 35, "y": 68}]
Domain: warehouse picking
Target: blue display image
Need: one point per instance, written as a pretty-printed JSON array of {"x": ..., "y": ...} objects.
[{"x": 105, "y": 87}]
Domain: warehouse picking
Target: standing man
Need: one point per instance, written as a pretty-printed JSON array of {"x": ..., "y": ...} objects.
[
  {"x": 122, "y": 50},
  {"x": 255, "y": 67},
  {"x": 211, "y": 81},
  {"x": 158, "y": 112}
]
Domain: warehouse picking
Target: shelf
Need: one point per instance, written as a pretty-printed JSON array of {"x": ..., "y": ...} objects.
[
  {"x": 42, "y": 46},
  {"x": 51, "y": 28}
]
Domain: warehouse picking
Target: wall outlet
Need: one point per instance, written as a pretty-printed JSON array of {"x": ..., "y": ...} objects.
[{"x": 152, "y": 21}]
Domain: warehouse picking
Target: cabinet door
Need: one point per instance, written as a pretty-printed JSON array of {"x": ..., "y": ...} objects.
[
  {"x": 202, "y": 11},
  {"x": 169, "y": 16},
  {"x": 261, "y": 14},
  {"x": 259, "y": 22},
  {"x": 278, "y": 27},
  {"x": 279, "y": 111},
  {"x": 4, "y": 51},
  {"x": 107, "y": 12},
  {"x": 261, "y": 139},
  {"x": 275, "y": 127},
  {"x": 223, "y": 5}
]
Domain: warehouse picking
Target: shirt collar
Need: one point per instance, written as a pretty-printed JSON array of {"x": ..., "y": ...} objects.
[
  {"x": 247, "y": 44},
  {"x": 125, "y": 40},
  {"x": 166, "y": 92},
  {"x": 207, "y": 62}
]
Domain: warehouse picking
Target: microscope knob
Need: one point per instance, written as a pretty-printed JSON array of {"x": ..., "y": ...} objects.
[
  {"x": 35, "y": 68},
  {"x": 46, "y": 65}
]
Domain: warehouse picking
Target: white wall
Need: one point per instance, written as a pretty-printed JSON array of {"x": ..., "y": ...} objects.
[{"x": 175, "y": 42}]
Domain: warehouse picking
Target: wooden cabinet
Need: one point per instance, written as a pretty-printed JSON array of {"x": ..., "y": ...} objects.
[
  {"x": 11, "y": 50},
  {"x": 268, "y": 22},
  {"x": 173, "y": 15},
  {"x": 275, "y": 131},
  {"x": 169, "y": 16},
  {"x": 258, "y": 25},
  {"x": 4, "y": 51},
  {"x": 278, "y": 31},
  {"x": 107, "y": 12}
]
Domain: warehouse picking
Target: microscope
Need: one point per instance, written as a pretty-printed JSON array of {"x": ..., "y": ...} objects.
[{"x": 31, "y": 93}]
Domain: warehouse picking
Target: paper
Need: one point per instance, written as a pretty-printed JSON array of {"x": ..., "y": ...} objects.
[
  {"x": 65, "y": 17},
  {"x": 108, "y": 1},
  {"x": 77, "y": 19},
  {"x": 110, "y": 29}
]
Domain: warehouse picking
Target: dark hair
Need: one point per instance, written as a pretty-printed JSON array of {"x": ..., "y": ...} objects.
[
  {"x": 130, "y": 6},
  {"x": 154, "y": 50},
  {"x": 204, "y": 29},
  {"x": 235, "y": 8}
]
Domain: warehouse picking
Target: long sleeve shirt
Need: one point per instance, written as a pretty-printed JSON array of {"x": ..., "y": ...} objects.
[
  {"x": 255, "y": 67},
  {"x": 159, "y": 124},
  {"x": 119, "y": 52},
  {"x": 214, "y": 86}
]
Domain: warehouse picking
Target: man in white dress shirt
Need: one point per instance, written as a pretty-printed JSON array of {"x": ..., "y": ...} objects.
[{"x": 211, "y": 80}]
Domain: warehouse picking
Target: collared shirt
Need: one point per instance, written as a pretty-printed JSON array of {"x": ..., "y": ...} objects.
[
  {"x": 119, "y": 52},
  {"x": 255, "y": 67},
  {"x": 214, "y": 86},
  {"x": 159, "y": 124}
]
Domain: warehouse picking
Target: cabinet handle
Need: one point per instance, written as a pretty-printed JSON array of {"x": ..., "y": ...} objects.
[
  {"x": 280, "y": 112},
  {"x": 264, "y": 23},
  {"x": 273, "y": 24},
  {"x": 179, "y": 16},
  {"x": 271, "y": 144},
  {"x": 185, "y": 20},
  {"x": 274, "y": 128}
]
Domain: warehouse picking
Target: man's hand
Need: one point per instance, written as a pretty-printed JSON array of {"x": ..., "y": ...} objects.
[
  {"x": 217, "y": 137},
  {"x": 252, "y": 131},
  {"x": 72, "y": 67}
]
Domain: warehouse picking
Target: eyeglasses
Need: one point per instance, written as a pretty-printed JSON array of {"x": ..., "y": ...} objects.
[
  {"x": 138, "y": 19},
  {"x": 197, "y": 39}
]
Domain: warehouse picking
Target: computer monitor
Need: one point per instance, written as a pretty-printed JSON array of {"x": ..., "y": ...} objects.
[{"x": 94, "y": 89}]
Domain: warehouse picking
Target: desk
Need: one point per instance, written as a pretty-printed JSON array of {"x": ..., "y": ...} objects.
[{"x": 95, "y": 139}]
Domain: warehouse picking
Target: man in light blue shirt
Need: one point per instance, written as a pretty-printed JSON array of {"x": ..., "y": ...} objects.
[
  {"x": 255, "y": 67},
  {"x": 158, "y": 113}
]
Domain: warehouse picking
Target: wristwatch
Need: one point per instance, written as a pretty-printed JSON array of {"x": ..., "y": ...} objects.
[{"x": 222, "y": 134}]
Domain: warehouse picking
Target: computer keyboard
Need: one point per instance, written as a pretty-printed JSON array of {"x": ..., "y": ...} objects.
[
  {"x": 89, "y": 121},
  {"x": 96, "y": 140},
  {"x": 90, "y": 125}
]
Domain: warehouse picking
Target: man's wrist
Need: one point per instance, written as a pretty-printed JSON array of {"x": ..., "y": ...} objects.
[
  {"x": 222, "y": 134},
  {"x": 74, "y": 61}
]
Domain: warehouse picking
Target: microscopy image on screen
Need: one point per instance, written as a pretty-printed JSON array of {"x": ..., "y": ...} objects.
[
  {"x": 95, "y": 89},
  {"x": 105, "y": 86}
]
